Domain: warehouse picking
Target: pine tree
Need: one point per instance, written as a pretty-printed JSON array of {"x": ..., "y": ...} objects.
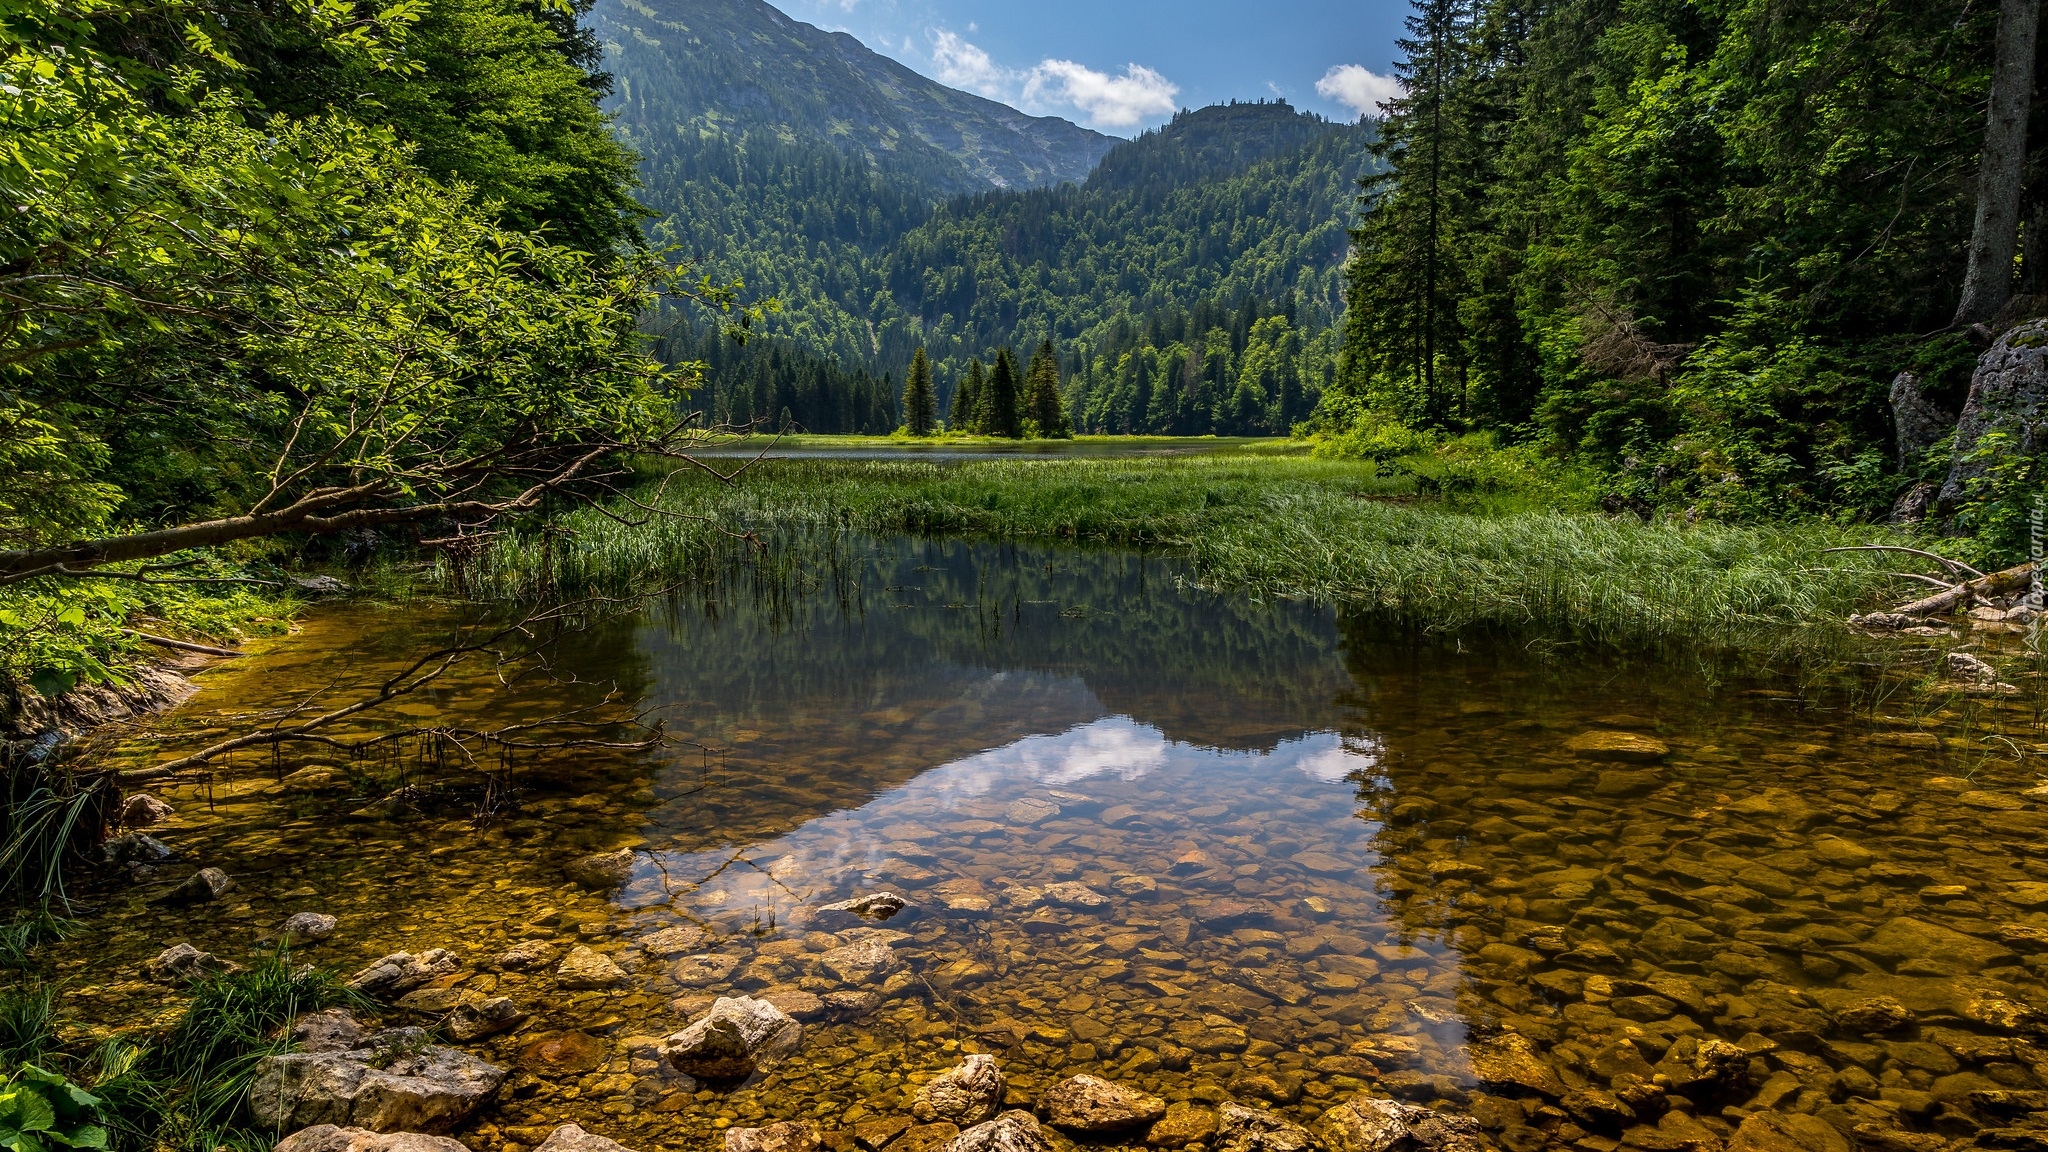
[
  {"x": 920, "y": 402},
  {"x": 1004, "y": 417},
  {"x": 966, "y": 414},
  {"x": 1042, "y": 399}
]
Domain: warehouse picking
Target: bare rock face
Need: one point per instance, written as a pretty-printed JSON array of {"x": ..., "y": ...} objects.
[
  {"x": 401, "y": 972},
  {"x": 394, "y": 1081},
  {"x": 1092, "y": 1104},
  {"x": 328, "y": 1138},
  {"x": 1919, "y": 423},
  {"x": 739, "y": 1036},
  {"x": 788, "y": 1136},
  {"x": 182, "y": 963},
  {"x": 968, "y": 1095},
  {"x": 601, "y": 872},
  {"x": 1013, "y": 1131},
  {"x": 2009, "y": 402},
  {"x": 1244, "y": 1129},
  {"x": 572, "y": 1138},
  {"x": 1369, "y": 1124}
]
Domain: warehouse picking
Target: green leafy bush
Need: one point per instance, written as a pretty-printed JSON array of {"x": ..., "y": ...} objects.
[{"x": 41, "y": 1110}]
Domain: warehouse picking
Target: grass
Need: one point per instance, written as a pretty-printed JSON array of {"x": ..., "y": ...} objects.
[{"x": 1270, "y": 526}]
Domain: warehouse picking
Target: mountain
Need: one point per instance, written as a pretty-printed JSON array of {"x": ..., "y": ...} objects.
[{"x": 690, "y": 68}]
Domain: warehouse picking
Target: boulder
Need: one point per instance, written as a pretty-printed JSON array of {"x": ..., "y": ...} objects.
[
  {"x": 601, "y": 872},
  {"x": 1013, "y": 1131},
  {"x": 1919, "y": 424},
  {"x": 334, "y": 1030},
  {"x": 393, "y": 1081},
  {"x": 584, "y": 968},
  {"x": 874, "y": 906},
  {"x": 1370, "y": 1124},
  {"x": 572, "y": 1138},
  {"x": 182, "y": 963},
  {"x": 143, "y": 810},
  {"x": 1090, "y": 1104},
  {"x": 474, "y": 1020},
  {"x": 739, "y": 1036},
  {"x": 202, "y": 887},
  {"x": 968, "y": 1095},
  {"x": 1242, "y": 1129},
  {"x": 328, "y": 1138},
  {"x": 2008, "y": 399},
  {"x": 861, "y": 963},
  {"x": 401, "y": 972},
  {"x": 788, "y": 1136},
  {"x": 306, "y": 927}
]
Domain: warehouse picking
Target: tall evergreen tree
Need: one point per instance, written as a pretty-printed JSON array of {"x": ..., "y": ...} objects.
[
  {"x": 1005, "y": 416},
  {"x": 966, "y": 416},
  {"x": 920, "y": 401},
  {"x": 1042, "y": 400}
]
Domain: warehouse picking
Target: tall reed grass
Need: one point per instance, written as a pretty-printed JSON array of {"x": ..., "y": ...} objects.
[{"x": 1282, "y": 527}]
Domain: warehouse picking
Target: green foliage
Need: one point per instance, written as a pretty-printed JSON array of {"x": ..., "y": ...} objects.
[
  {"x": 1332, "y": 530},
  {"x": 1045, "y": 408},
  {"x": 1686, "y": 245},
  {"x": 41, "y": 1110},
  {"x": 920, "y": 401},
  {"x": 28, "y": 1012}
]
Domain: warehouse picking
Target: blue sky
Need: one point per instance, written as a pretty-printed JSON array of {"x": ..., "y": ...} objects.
[{"x": 1121, "y": 66}]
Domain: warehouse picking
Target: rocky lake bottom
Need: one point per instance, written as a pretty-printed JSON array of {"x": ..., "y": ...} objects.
[{"x": 1219, "y": 852}]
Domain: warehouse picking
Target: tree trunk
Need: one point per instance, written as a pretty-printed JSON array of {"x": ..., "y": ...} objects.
[{"x": 1987, "y": 284}]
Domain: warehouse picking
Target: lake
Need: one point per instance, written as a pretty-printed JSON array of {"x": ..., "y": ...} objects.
[{"x": 1210, "y": 847}]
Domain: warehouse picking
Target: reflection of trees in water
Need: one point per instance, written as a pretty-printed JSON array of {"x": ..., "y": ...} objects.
[{"x": 870, "y": 625}]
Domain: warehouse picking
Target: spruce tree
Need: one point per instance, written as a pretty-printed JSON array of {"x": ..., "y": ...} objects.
[
  {"x": 966, "y": 416},
  {"x": 1004, "y": 417},
  {"x": 920, "y": 402},
  {"x": 1042, "y": 399}
]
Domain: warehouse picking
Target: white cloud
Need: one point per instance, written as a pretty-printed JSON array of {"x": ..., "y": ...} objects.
[
  {"x": 1054, "y": 86},
  {"x": 1110, "y": 101},
  {"x": 963, "y": 65},
  {"x": 1358, "y": 88}
]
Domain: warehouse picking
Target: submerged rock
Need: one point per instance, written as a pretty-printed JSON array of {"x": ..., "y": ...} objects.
[
  {"x": 306, "y": 927},
  {"x": 673, "y": 941},
  {"x": 135, "y": 848},
  {"x": 1185, "y": 1123},
  {"x": 572, "y": 1138},
  {"x": 968, "y": 1095},
  {"x": 474, "y": 1020},
  {"x": 861, "y": 963},
  {"x": 1013, "y": 1131},
  {"x": 875, "y": 906},
  {"x": 1242, "y": 1129},
  {"x": 1509, "y": 1060},
  {"x": 602, "y": 871},
  {"x": 739, "y": 1036},
  {"x": 586, "y": 968},
  {"x": 788, "y": 1136},
  {"x": 1370, "y": 1124},
  {"x": 143, "y": 810},
  {"x": 703, "y": 971},
  {"x": 1628, "y": 747},
  {"x": 202, "y": 887},
  {"x": 1874, "y": 1016},
  {"x": 328, "y": 1138},
  {"x": 1091, "y": 1104},
  {"x": 401, "y": 972},
  {"x": 527, "y": 954},
  {"x": 181, "y": 963},
  {"x": 394, "y": 1081},
  {"x": 1787, "y": 1132}
]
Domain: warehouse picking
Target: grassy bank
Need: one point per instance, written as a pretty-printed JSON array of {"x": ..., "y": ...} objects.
[{"x": 1273, "y": 526}]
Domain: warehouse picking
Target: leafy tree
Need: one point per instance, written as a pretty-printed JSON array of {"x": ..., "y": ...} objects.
[{"x": 920, "y": 402}]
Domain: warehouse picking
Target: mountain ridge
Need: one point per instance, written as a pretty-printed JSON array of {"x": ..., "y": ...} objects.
[{"x": 721, "y": 65}]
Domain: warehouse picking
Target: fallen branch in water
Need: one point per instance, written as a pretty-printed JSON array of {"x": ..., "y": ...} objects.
[
  {"x": 180, "y": 645},
  {"x": 1951, "y": 565},
  {"x": 1942, "y": 603}
]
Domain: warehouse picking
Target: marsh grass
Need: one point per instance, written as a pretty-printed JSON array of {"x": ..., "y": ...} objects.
[{"x": 1335, "y": 531}]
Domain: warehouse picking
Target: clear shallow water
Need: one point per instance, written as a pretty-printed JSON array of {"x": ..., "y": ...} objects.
[{"x": 1325, "y": 855}]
